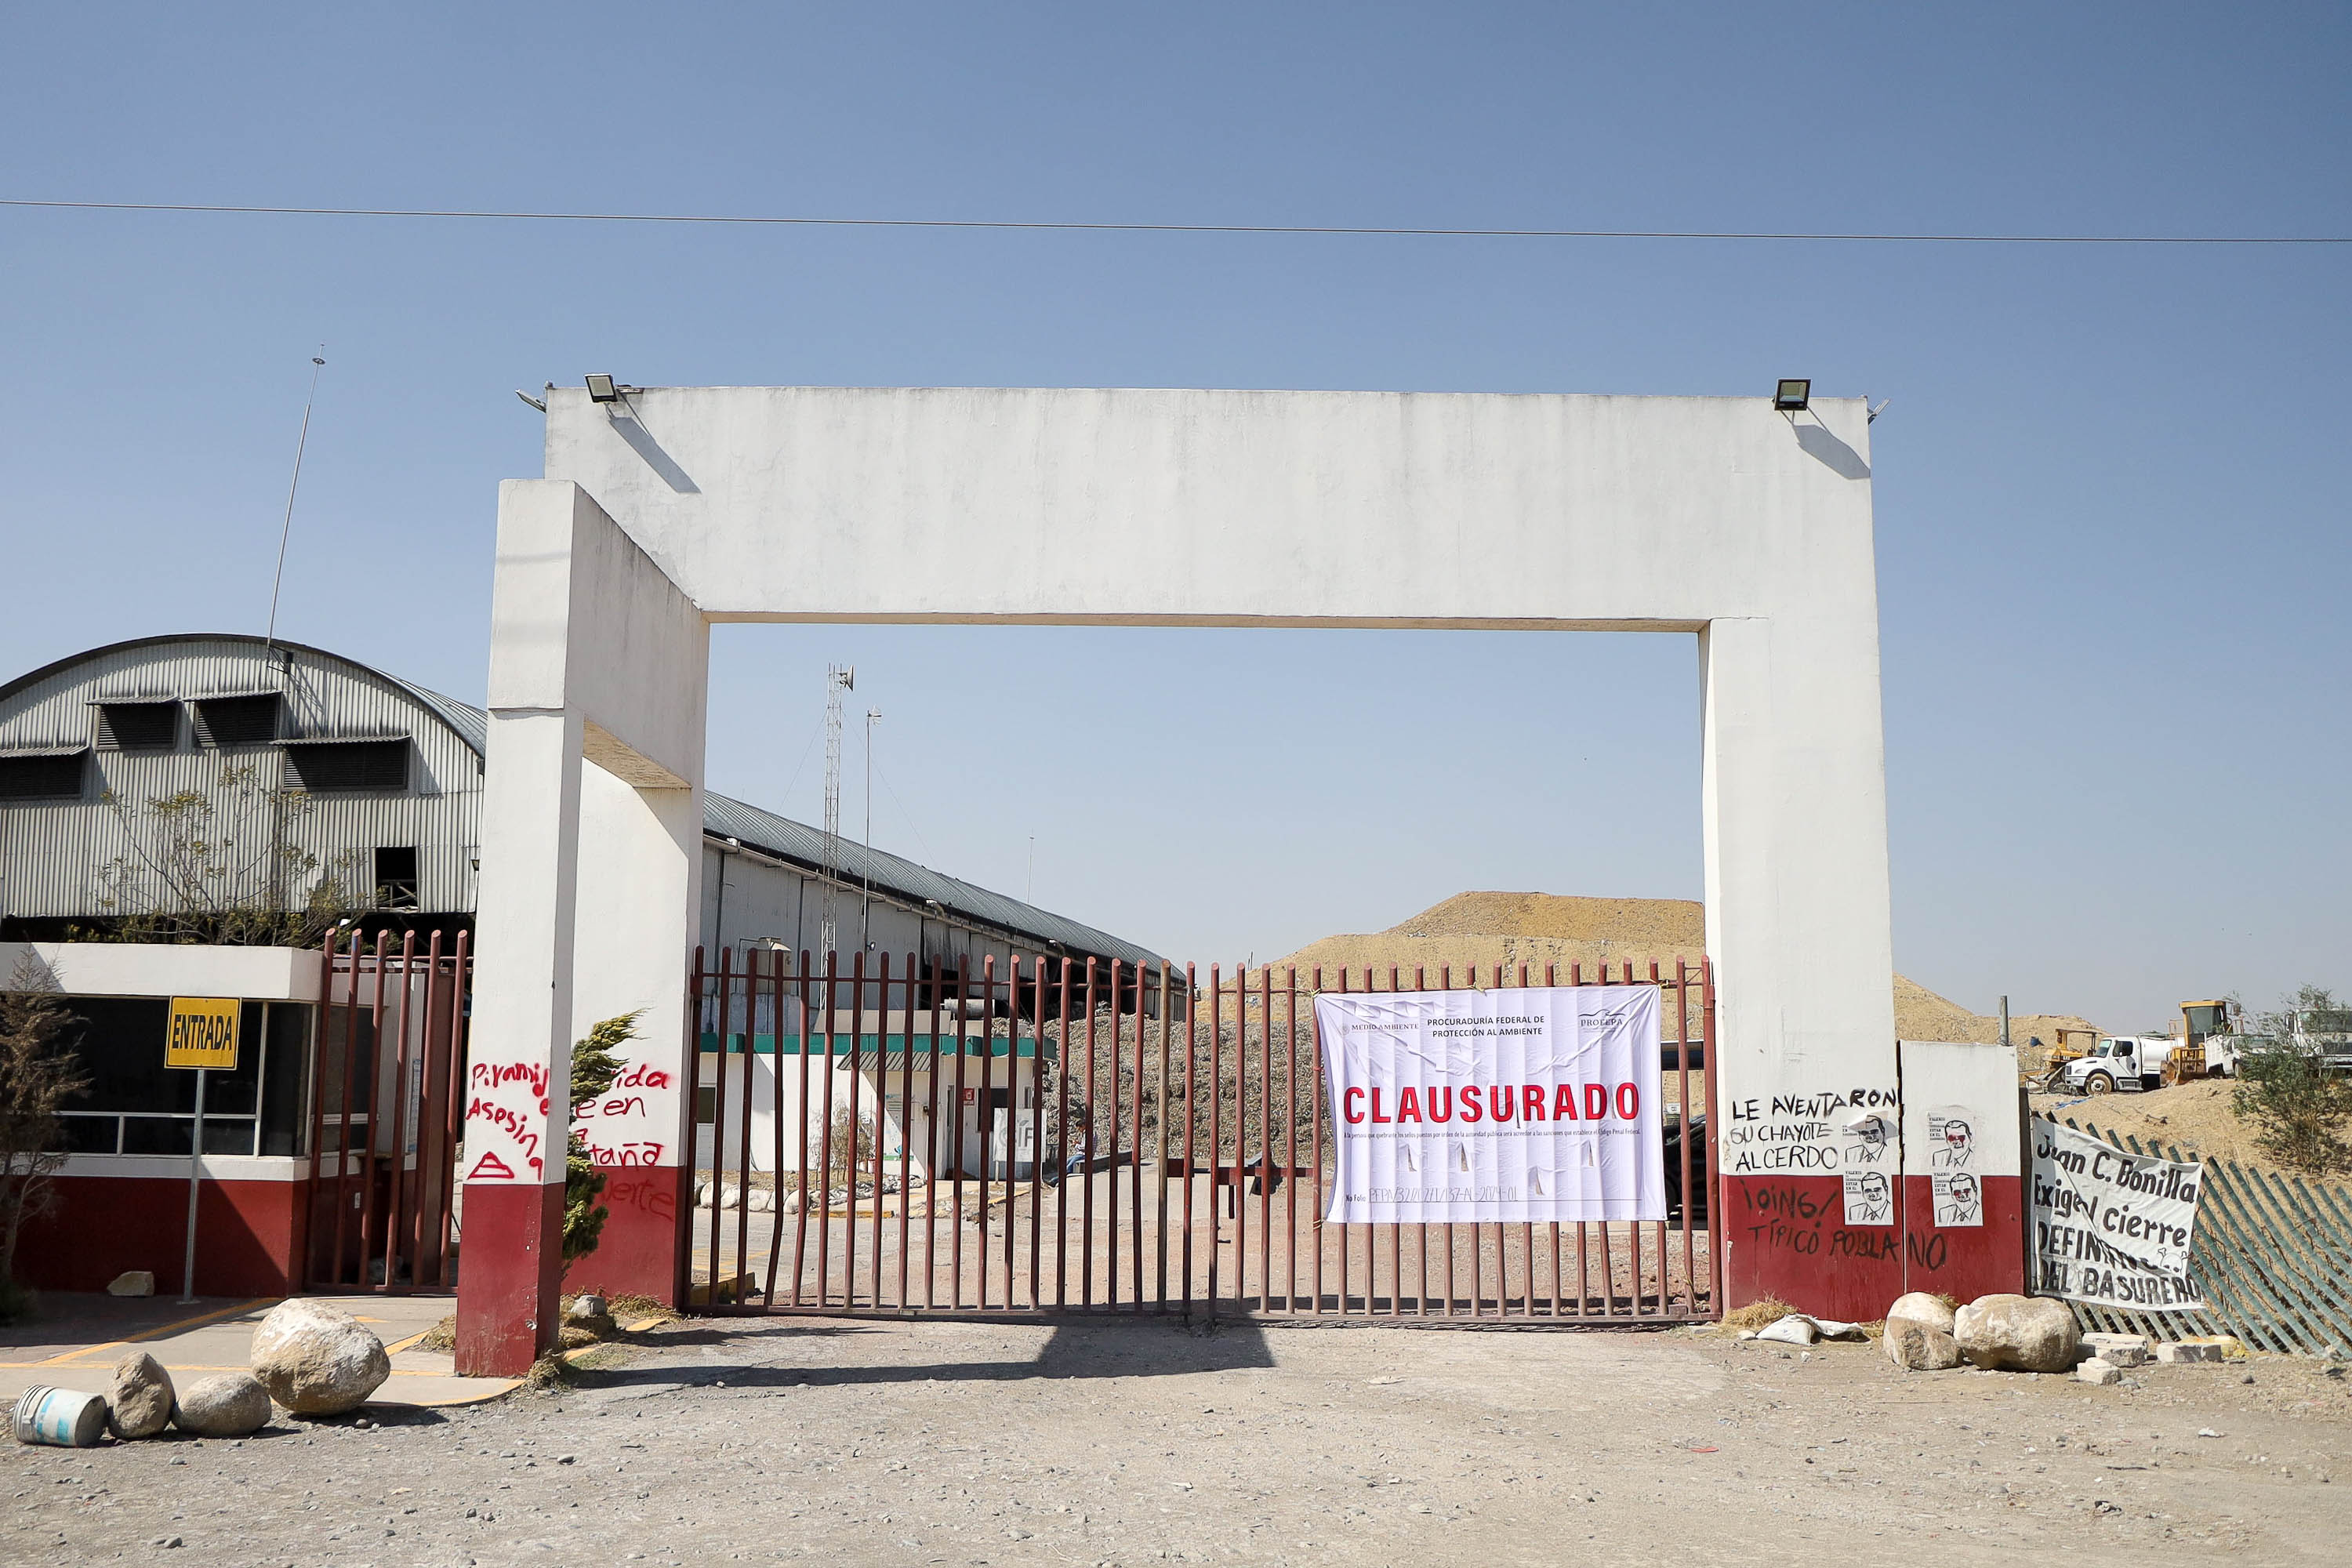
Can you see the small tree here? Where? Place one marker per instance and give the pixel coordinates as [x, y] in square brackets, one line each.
[595, 1066]
[37, 1076]
[222, 866]
[2302, 1114]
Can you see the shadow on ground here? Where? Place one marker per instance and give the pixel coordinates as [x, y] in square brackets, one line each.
[767, 1355]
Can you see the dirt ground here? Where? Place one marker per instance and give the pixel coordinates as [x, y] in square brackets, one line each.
[1092, 1443]
[2195, 1118]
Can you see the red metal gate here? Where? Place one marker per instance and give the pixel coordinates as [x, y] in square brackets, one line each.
[1066, 1138]
[386, 1114]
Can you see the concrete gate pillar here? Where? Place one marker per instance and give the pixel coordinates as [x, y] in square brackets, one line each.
[598, 671]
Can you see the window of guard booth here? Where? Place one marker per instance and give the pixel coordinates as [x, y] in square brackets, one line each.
[286, 1080]
[133, 1104]
[339, 1111]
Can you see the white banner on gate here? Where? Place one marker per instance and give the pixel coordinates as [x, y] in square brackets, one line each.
[1461, 1106]
[2111, 1228]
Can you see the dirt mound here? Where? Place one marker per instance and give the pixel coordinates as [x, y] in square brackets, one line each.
[1658, 925]
[1476, 932]
[2193, 1117]
[1921, 1014]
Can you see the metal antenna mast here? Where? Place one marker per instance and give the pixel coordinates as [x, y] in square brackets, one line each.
[838, 678]
[302, 441]
[865, 895]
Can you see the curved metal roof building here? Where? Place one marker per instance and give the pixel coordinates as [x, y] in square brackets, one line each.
[309, 764]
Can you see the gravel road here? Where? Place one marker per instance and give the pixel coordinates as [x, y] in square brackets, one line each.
[967, 1444]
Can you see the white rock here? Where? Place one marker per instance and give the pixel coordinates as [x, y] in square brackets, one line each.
[230, 1405]
[2117, 1350]
[2098, 1373]
[2187, 1351]
[1916, 1346]
[588, 1307]
[1922, 1308]
[133, 1282]
[2017, 1333]
[316, 1360]
[140, 1403]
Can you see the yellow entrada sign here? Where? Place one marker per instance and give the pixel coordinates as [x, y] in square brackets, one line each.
[203, 1033]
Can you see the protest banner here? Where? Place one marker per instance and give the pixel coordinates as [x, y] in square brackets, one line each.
[2111, 1228]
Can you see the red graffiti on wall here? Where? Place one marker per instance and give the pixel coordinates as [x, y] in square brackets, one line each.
[508, 1122]
[640, 1076]
[638, 1153]
[490, 1168]
[652, 1195]
[491, 1075]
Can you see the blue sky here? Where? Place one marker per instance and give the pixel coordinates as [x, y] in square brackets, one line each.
[2111, 487]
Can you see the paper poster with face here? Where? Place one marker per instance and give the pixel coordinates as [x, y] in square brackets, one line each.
[1956, 1182]
[1954, 1179]
[1867, 1158]
[1959, 1198]
[1952, 1137]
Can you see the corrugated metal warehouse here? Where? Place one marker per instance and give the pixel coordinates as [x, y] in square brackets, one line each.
[310, 766]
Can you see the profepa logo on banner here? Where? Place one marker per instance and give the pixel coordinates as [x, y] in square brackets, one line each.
[2111, 1228]
[1459, 1106]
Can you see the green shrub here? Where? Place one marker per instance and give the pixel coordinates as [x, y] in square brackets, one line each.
[595, 1066]
[2301, 1113]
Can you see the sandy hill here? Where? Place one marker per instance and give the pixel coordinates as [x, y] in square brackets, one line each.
[1484, 928]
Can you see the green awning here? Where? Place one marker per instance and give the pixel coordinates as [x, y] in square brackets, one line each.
[868, 1047]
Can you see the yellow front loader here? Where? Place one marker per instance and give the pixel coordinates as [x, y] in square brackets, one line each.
[2200, 1021]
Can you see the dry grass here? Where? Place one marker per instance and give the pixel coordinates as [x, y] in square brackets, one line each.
[1760, 1314]
[626, 1311]
[549, 1372]
[629, 1311]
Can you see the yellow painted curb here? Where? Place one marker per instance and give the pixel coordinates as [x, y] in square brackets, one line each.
[200, 1318]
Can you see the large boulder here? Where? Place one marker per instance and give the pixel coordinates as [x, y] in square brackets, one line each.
[316, 1360]
[230, 1405]
[1922, 1308]
[2017, 1333]
[140, 1403]
[1916, 1346]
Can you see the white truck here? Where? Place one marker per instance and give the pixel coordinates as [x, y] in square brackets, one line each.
[2125, 1063]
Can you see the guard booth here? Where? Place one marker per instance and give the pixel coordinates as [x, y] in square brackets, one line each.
[326, 1108]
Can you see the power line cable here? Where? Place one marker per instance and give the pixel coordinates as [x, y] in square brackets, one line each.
[1339, 230]
[911, 825]
[800, 767]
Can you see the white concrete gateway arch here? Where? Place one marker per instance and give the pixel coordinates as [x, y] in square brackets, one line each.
[673, 508]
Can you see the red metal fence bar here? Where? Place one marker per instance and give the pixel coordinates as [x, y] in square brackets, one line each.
[382, 1219]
